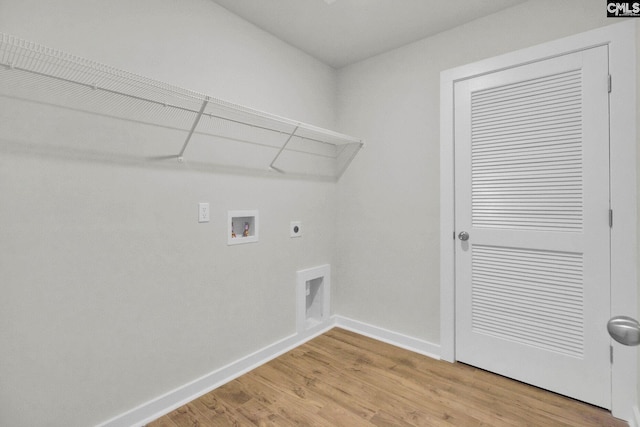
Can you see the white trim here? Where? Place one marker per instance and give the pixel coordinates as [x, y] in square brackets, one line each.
[182, 395]
[623, 169]
[635, 422]
[622, 61]
[390, 337]
[447, 223]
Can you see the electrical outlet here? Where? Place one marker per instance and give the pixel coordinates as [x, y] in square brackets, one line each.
[203, 212]
[295, 229]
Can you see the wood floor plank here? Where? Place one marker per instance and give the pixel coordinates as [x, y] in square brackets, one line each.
[375, 396]
[505, 401]
[344, 379]
[297, 410]
[186, 416]
[321, 384]
[442, 407]
[261, 415]
[216, 412]
[162, 422]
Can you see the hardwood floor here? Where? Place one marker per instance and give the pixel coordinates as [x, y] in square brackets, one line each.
[344, 379]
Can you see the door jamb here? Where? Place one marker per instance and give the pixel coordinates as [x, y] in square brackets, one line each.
[621, 40]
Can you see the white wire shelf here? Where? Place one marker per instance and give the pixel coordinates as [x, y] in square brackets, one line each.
[38, 73]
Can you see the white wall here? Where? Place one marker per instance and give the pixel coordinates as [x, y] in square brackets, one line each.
[387, 271]
[112, 293]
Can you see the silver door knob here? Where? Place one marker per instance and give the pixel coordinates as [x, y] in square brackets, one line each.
[464, 236]
[625, 330]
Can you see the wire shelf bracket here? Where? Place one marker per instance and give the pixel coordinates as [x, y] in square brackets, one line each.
[271, 167]
[251, 137]
[193, 128]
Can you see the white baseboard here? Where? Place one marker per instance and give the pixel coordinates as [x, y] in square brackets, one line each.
[390, 337]
[166, 403]
[635, 422]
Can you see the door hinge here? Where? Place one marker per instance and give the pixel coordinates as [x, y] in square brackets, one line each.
[609, 82]
[610, 218]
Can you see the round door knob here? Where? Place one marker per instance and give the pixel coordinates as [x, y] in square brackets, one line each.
[625, 330]
[464, 236]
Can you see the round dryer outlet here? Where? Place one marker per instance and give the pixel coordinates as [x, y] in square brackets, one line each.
[295, 229]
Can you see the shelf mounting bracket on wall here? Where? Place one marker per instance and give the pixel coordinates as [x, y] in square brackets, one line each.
[271, 167]
[193, 128]
[244, 138]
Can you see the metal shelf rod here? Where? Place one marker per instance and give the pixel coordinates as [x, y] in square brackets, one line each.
[193, 128]
[282, 149]
[95, 87]
[138, 98]
[159, 103]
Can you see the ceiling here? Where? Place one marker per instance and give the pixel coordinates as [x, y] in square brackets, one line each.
[341, 32]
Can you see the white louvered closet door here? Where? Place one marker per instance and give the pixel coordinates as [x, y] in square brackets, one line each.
[532, 191]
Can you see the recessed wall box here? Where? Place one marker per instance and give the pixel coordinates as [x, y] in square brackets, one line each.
[313, 297]
[243, 227]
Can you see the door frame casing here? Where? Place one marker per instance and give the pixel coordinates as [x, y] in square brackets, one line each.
[620, 39]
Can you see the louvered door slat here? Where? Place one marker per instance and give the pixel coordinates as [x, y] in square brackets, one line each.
[528, 292]
[560, 85]
[547, 109]
[527, 141]
[534, 106]
[549, 163]
[528, 85]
